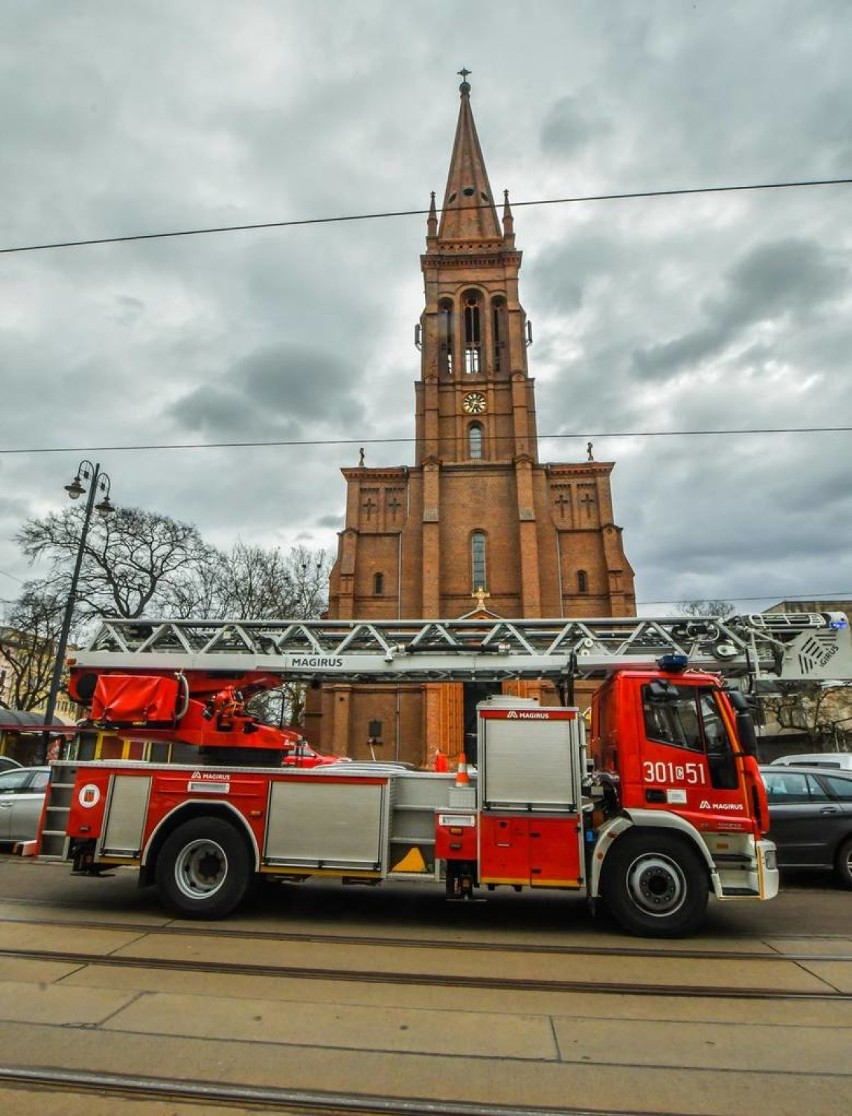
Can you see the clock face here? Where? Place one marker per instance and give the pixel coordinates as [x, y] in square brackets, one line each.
[474, 403]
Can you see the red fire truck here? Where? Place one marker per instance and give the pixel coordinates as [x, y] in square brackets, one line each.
[662, 807]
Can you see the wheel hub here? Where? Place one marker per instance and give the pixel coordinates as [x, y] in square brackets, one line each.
[656, 884]
[201, 868]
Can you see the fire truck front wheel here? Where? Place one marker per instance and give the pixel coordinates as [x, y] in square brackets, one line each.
[655, 885]
[203, 870]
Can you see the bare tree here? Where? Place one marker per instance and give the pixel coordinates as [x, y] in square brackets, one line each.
[254, 583]
[716, 609]
[309, 571]
[819, 711]
[28, 640]
[263, 584]
[133, 562]
[140, 563]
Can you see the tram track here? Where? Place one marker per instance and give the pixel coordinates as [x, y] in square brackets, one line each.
[286, 1102]
[490, 945]
[598, 986]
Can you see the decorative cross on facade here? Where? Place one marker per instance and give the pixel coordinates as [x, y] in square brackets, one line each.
[480, 596]
[394, 505]
[369, 507]
[588, 502]
[562, 501]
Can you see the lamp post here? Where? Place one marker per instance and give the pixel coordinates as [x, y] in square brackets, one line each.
[97, 481]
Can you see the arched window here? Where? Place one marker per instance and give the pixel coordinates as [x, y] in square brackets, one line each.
[472, 334]
[474, 440]
[499, 326]
[445, 337]
[478, 570]
[378, 584]
[582, 581]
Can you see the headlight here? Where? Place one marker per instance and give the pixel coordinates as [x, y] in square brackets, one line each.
[770, 859]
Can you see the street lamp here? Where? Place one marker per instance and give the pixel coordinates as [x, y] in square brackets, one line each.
[98, 482]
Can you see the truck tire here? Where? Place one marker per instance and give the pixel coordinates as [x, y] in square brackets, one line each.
[204, 869]
[655, 885]
[843, 863]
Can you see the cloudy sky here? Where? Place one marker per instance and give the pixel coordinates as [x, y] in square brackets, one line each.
[725, 311]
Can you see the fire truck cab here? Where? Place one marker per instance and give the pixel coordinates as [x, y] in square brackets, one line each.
[674, 756]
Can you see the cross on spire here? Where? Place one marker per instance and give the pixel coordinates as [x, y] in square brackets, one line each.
[463, 73]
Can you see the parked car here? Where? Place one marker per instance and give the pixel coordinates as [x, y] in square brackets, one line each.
[7, 763]
[22, 793]
[842, 761]
[301, 754]
[810, 817]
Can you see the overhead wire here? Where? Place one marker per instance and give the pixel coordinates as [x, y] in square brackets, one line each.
[143, 447]
[386, 214]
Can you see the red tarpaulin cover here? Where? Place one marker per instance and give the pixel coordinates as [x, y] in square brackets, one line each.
[126, 699]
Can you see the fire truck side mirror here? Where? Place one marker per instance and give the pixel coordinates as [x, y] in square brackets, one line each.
[660, 692]
[745, 722]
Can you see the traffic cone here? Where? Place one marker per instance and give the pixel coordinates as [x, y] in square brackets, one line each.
[441, 762]
[462, 777]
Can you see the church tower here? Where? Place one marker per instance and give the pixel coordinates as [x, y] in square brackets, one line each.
[478, 524]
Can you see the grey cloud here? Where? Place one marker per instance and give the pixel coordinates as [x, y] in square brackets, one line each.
[790, 278]
[659, 361]
[275, 390]
[562, 273]
[571, 123]
[225, 413]
[305, 383]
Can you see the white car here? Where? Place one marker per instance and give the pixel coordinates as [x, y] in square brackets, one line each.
[840, 761]
[22, 793]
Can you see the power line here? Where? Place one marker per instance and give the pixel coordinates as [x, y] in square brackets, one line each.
[632, 195]
[272, 444]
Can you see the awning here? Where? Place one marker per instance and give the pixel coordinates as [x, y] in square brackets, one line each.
[23, 720]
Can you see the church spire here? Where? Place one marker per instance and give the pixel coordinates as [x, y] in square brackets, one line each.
[468, 211]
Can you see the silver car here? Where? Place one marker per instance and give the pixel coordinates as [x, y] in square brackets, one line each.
[840, 761]
[22, 793]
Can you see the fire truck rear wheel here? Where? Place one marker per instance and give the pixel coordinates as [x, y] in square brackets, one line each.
[655, 885]
[203, 870]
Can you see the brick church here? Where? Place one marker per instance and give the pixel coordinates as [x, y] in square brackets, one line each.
[477, 525]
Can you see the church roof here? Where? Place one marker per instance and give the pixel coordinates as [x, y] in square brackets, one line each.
[468, 211]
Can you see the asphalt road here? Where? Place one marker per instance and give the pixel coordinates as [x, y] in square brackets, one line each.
[808, 904]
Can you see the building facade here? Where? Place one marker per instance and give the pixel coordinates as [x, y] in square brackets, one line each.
[478, 523]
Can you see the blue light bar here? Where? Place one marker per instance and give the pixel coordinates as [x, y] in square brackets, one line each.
[673, 664]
